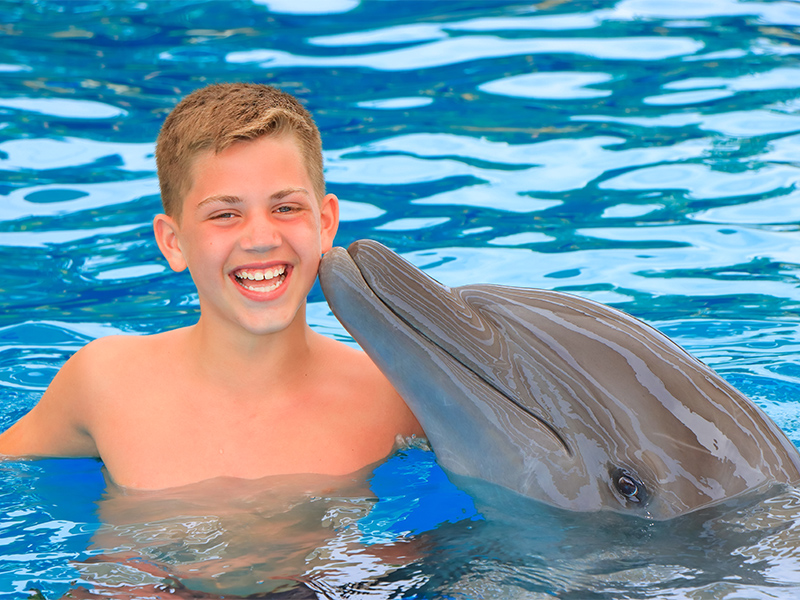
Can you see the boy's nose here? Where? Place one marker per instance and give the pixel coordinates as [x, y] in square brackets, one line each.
[259, 235]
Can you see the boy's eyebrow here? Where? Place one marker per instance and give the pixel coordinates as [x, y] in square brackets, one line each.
[226, 199]
[290, 191]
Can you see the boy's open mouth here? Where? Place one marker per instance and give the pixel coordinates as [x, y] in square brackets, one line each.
[261, 280]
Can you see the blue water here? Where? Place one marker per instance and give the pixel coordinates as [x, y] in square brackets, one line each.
[641, 153]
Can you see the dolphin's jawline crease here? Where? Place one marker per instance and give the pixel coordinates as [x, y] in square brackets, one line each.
[489, 384]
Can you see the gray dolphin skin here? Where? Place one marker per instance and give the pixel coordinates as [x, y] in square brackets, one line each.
[553, 396]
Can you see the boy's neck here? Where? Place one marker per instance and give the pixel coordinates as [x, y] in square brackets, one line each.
[225, 355]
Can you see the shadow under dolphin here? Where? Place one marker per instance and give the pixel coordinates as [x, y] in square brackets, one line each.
[553, 396]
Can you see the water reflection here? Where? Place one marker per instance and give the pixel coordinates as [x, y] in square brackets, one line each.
[227, 536]
[637, 152]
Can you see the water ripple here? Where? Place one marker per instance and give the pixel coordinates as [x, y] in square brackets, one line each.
[637, 152]
[452, 51]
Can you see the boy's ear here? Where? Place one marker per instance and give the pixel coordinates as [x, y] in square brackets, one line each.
[166, 231]
[329, 221]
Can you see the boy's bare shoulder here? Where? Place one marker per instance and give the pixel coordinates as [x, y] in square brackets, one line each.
[358, 382]
[110, 360]
[62, 422]
[354, 368]
[120, 345]
[107, 372]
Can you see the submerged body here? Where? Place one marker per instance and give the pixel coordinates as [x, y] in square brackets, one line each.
[553, 396]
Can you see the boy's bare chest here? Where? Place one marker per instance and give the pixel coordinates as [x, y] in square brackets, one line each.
[163, 436]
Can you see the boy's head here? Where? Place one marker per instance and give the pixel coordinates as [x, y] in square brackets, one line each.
[214, 117]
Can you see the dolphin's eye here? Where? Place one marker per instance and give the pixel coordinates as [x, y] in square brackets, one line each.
[628, 486]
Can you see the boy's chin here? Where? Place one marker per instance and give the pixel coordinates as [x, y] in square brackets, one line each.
[273, 324]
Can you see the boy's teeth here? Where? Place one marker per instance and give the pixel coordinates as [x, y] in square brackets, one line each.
[263, 288]
[268, 279]
[260, 274]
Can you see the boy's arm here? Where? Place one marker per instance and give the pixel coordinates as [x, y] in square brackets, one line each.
[56, 426]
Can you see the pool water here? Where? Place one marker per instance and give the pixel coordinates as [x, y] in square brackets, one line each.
[637, 152]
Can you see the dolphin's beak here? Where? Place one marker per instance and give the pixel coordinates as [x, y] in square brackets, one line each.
[442, 316]
[422, 302]
[403, 319]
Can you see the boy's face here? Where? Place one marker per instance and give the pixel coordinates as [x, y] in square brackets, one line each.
[251, 233]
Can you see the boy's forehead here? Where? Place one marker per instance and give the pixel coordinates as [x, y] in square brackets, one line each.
[206, 157]
[209, 155]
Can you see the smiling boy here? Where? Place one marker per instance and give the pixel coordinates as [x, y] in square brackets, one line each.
[249, 390]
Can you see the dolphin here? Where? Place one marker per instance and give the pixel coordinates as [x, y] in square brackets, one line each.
[553, 396]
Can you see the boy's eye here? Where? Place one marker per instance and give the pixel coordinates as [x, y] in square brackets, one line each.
[285, 209]
[223, 216]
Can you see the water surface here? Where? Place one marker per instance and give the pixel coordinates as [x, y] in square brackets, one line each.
[636, 152]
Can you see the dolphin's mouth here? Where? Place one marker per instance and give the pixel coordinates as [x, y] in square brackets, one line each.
[372, 259]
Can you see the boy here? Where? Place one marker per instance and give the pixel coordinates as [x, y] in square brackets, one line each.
[249, 390]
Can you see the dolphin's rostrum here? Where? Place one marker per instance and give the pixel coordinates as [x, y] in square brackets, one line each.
[556, 397]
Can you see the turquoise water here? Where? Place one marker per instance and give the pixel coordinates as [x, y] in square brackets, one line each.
[640, 153]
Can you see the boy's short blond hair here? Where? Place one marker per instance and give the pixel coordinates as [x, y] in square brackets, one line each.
[214, 117]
